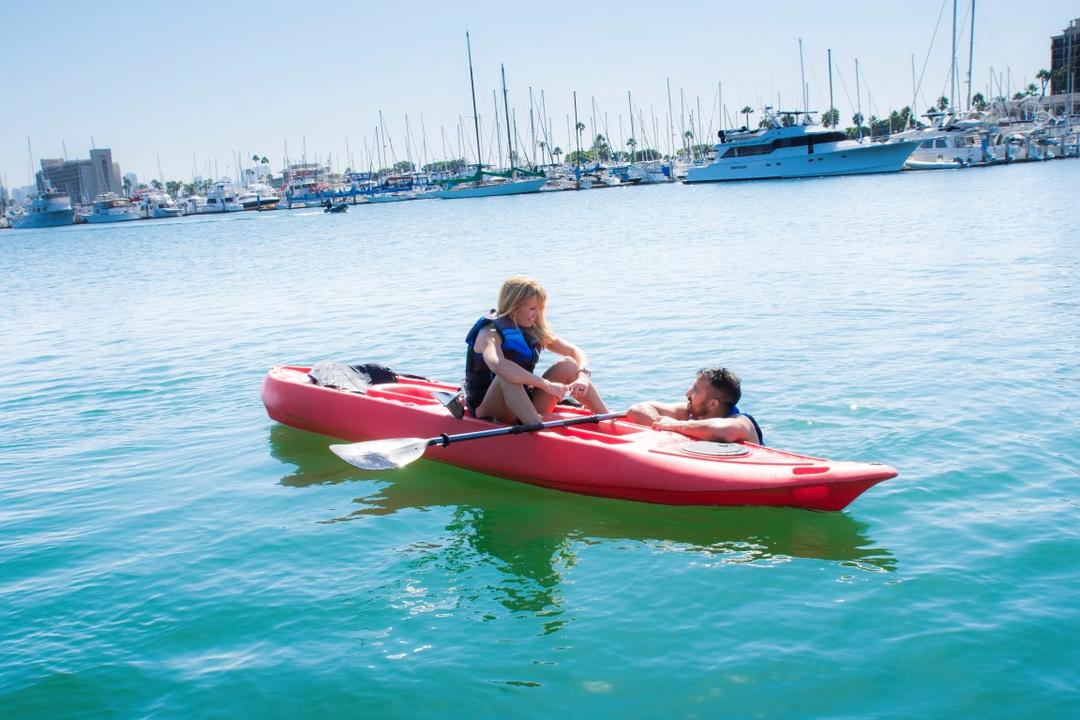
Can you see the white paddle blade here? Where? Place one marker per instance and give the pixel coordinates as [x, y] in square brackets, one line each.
[381, 454]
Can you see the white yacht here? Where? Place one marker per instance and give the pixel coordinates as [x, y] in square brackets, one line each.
[49, 209]
[952, 141]
[221, 198]
[110, 207]
[160, 205]
[258, 196]
[786, 148]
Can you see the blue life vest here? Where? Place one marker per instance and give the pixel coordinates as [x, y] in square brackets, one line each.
[516, 347]
[735, 412]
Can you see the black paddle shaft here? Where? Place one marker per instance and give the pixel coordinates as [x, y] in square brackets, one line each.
[445, 439]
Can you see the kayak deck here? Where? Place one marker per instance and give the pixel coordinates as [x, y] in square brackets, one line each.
[610, 458]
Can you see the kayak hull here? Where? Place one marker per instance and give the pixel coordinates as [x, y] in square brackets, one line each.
[613, 458]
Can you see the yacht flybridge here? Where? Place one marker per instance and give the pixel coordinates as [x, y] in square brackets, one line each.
[789, 148]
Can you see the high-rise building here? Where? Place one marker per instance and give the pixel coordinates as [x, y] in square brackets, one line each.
[1065, 60]
[81, 180]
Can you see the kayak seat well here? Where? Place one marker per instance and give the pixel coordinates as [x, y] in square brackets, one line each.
[413, 394]
[595, 433]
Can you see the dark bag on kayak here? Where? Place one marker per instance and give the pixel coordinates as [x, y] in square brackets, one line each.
[354, 378]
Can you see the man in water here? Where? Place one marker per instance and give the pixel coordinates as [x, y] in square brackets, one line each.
[710, 412]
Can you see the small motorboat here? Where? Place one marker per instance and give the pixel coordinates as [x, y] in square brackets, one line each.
[338, 207]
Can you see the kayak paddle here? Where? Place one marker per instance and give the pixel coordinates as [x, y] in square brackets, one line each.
[399, 452]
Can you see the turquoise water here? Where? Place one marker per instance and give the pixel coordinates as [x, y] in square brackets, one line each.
[167, 551]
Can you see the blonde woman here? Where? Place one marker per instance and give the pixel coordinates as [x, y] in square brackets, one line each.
[503, 349]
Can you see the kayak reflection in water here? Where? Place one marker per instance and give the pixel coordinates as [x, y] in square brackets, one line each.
[503, 349]
[711, 411]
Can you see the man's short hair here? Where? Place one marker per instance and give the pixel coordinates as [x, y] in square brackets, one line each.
[726, 383]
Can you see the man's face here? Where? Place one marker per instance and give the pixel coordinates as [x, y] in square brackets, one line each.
[700, 399]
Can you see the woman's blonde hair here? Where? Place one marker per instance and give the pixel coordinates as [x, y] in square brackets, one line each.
[517, 291]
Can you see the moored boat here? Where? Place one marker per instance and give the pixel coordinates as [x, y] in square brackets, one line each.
[110, 207]
[611, 458]
[48, 209]
[789, 149]
[258, 196]
[221, 199]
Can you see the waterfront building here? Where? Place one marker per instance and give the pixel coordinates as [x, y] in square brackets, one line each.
[81, 180]
[1065, 60]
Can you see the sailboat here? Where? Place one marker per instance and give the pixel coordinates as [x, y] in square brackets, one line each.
[487, 183]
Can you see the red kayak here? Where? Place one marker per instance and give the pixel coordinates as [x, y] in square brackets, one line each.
[610, 458]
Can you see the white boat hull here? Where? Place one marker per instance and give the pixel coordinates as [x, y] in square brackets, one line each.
[797, 162]
[111, 217]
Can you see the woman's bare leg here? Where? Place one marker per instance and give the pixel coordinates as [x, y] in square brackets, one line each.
[508, 403]
[565, 371]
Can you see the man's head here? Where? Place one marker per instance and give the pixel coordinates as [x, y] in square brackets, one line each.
[714, 393]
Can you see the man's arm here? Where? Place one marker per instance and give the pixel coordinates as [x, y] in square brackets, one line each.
[736, 429]
[648, 413]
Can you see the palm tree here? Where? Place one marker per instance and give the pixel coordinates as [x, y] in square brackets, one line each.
[1044, 77]
[746, 111]
[978, 102]
[942, 103]
[556, 153]
[543, 146]
[631, 143]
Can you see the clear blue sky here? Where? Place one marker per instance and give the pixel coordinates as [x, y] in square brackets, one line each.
[204, 80]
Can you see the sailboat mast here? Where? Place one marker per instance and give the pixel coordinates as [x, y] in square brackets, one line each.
[802, 79]
[506, 112]
[915, 93]
[858, 100]
[971, 52]
[472, 86]
[577, 131]
[953, 81]
[498, 137]
[832, 120]
[671, 120]
[532, 132]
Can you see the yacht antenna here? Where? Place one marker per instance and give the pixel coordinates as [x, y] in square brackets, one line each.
[472, 86]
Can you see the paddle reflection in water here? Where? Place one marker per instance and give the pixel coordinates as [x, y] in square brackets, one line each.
[532, 531]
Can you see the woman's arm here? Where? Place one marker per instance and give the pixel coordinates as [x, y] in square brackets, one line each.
[580, 385]
[487, 343]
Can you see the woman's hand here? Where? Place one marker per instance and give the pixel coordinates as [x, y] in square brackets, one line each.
[579, 387]
[554, 388]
